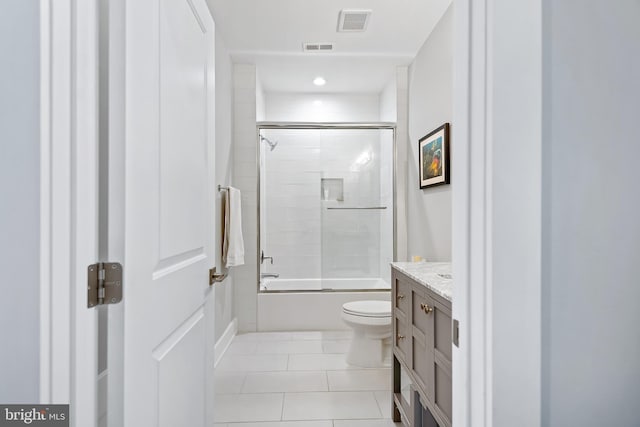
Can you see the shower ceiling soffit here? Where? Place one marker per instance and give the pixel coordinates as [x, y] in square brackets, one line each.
[271, 34]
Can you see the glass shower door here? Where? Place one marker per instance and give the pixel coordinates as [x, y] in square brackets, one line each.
[357, 207]
[326, 208]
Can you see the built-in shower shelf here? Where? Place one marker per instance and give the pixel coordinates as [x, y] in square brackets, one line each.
[332, 189]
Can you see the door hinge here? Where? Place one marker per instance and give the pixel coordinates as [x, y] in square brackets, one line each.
[104, 283]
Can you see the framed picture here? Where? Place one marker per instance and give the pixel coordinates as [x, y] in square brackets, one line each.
[433, 155]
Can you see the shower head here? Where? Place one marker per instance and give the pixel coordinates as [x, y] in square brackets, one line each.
[272, 145]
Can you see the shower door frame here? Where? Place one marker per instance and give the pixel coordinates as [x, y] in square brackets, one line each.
[330, 126]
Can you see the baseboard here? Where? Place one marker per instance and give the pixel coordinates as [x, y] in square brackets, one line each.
[225, 340]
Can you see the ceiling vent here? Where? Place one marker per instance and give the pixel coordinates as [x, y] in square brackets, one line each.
[317, 47]
[351, 20]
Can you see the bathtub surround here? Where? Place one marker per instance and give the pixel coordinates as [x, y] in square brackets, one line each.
[311, 310]
[430, 105]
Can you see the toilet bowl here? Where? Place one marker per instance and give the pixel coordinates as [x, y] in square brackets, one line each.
[371, 324]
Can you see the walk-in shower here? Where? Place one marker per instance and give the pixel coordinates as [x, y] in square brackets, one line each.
[326, 218]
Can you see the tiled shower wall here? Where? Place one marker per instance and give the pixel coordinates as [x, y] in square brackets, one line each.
[305, 238]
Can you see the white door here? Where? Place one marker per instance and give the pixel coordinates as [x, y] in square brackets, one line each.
[164, 167]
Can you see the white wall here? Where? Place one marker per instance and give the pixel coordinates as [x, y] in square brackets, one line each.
[316, 107]
[591, 200]
[245, 178]
[260, 100]
[20, 208]
[224, 310]
[430, 105]
[388, 101]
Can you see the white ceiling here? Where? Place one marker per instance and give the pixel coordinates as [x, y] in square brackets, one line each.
[270, 33]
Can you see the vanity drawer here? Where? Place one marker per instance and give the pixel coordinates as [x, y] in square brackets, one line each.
[421, 312]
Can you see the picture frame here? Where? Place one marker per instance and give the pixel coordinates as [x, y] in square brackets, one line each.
[434, 158]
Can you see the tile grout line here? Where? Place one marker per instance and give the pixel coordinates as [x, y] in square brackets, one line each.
[284, 395]
[244, 381]
[288, 366]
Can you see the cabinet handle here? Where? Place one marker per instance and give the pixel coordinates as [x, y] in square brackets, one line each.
[399, 296]
[426, 308]
[400, 337]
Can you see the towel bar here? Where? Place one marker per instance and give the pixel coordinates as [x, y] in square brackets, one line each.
[216, 277]
[348, 208]
[221, 188]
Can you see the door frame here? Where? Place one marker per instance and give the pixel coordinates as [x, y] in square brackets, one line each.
[68, 205]
[497, 222]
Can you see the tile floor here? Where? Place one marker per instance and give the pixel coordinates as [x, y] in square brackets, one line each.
[298, 379]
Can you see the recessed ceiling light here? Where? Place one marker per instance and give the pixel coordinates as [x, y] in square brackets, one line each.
[319, 81]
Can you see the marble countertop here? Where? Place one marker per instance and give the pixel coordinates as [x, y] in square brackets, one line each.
[434, 275]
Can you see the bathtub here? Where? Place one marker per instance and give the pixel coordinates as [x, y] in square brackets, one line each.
[320, 285]
[313, 304]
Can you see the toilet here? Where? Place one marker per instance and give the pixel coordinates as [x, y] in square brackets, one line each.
[371, 324]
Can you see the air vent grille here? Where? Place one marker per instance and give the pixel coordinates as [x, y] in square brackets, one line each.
[317, 47]
[351, 20]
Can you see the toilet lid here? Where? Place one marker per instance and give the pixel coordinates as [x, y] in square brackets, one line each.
[368, 308]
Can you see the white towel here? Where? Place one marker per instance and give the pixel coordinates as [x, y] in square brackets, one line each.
[233, 243]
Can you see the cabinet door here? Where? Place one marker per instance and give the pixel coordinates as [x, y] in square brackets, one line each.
[401, 333]
[441, 316]
[402, 294]
[402, 340]
[422, 340]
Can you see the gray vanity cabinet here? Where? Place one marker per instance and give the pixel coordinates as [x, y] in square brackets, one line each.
[422, 345]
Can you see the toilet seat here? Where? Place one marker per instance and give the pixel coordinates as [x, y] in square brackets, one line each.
[375, 309]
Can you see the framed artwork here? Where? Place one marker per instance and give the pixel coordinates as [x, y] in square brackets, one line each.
[433, 155]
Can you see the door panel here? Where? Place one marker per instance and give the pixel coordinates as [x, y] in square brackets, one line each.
[176, 373]
[183, 131]
[168, 246]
